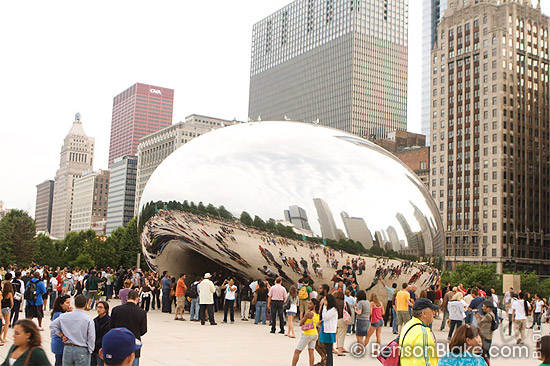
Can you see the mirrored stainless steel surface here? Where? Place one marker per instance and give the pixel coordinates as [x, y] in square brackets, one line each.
[289, 179]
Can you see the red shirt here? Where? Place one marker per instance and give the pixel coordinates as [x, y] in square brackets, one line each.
[59, 283]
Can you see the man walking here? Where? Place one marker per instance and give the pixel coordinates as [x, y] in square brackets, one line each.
[402, 303]
[180, 297]
[206, 299]
[79, 331]
[34, 293]
[166, 283]
[276, 297]
[448, 296]
[132, 317]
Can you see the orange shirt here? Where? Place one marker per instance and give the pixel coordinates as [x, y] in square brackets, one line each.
[180, 288]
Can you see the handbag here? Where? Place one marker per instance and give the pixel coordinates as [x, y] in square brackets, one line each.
[347, 317]
[308, 326]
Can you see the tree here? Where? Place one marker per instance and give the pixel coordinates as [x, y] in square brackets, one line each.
[246, 219]
[211, 210]
[470, 275]
[129, 246]
[258, 222]
[17, 243]
[224, 213]
[46, 251]
[83, 260]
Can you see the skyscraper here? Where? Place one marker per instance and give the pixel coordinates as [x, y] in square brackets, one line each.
[44, 203]
[122, 192]
[326, 220]
[138, 111]
[340, 62]
[490, 134]
[297, 216]
[90, 201]
[77, 155]
[357, 230]
[432, 11]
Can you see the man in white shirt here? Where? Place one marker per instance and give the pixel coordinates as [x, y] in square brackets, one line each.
[206, 299]
[520, 310]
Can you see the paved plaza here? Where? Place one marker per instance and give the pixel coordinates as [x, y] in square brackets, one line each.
[170, 342]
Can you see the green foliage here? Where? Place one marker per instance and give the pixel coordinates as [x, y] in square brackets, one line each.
[83, 260]
[471, 275]
[246, 219]
[46, 251]
[17, 243]
[259, 223]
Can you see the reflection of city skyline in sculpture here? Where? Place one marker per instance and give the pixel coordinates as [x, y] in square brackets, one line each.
[297, 216]
[326, 220]
[253, 168]
[394, 238]
[357, 230]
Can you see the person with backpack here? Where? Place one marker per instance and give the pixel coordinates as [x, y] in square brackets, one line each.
[18, 296]
[304, 295]
[34, 295]
[193, 294]
[487, 325]
[416, 341]
[291, 308]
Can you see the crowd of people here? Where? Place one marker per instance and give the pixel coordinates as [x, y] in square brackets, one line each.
[324, 313]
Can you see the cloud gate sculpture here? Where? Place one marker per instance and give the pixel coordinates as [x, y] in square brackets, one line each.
[261, 199]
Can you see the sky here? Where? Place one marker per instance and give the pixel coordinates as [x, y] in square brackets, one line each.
[63, 57]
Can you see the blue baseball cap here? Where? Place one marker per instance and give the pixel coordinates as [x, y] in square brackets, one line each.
[118, 344]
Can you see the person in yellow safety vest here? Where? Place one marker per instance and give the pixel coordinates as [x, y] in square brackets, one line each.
[416, 341]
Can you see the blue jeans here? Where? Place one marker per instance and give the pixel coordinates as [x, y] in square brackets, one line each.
[53, 295]
[261, 307]
[469, 317]
[194, 309]
[76, 356]
[136, 362]
[394, 321]
[108, 291]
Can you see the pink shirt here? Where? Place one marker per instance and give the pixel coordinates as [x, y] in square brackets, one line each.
[376, 314]
[277, 292]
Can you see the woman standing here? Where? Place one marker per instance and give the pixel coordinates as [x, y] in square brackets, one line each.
[145, 295]
[62, 304]
[7, 306]
[457, 312]
[362, 314]
[293, 300]
[123, 294]
[309, 333]
[101, 328]
[230, 290]
[261, 303]
[26, 350]
[465, 348]
[341, 326]
[329, 325]
[376, 320]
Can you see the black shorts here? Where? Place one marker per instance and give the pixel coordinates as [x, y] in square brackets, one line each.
[34, 311]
